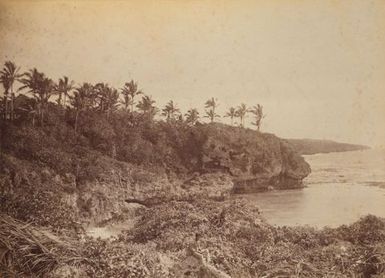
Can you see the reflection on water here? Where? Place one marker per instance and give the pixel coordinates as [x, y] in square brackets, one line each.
[337, 192]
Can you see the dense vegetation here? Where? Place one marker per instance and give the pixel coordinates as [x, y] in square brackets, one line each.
[101, 98]
[74, 162]
[92, 120]
[199, 239]
[68, 121]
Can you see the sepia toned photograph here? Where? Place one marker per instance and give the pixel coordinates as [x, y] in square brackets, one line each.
[192, 138]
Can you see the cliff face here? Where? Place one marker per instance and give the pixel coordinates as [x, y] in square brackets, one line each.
[42, 177]
[257, 161]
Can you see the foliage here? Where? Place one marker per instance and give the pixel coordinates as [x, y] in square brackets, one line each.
[129, 92]
[91, 148]
[237, 241]
[63, 88]
[241, 113]
[211, 105]
[232, 113]
[99, 97]
[33, 196]
[170, 111]
[230, 236]
[119, 259]
[8, 75]
[257, 112]
[41, 88]
[31, 252]
[192, 116]
[147, 107]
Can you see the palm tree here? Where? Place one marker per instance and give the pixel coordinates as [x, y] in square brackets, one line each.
[257, 111]
[8, 76]
[192, 116]
[83, 99]
[127, 100]
[111, 100]
[146, 105]
[2, 106]
[6, 86]
[232, 113]
[211, 104]
[100, 95]
[211, 115]
[241, 113]
[41, 88]
[32, 82]
[64, 88]
[129, 91]
[170, 111]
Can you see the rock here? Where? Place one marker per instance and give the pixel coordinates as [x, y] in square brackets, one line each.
[212, 185]
[255, 160]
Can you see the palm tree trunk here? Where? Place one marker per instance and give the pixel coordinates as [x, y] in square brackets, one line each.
[125, 103]
[42, 116]
[39, 112]
[59, 99]
[65, 100]
[5, 106]
[12, 104]
[76, 120]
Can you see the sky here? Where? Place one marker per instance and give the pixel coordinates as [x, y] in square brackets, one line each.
[317, 66]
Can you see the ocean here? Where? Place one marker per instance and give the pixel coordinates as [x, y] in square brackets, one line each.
[341, 188]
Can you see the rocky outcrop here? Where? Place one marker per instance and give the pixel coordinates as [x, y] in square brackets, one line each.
[313, 146]
[58, 186]
[256, 161]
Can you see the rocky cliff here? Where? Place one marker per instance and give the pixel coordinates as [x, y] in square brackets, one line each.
[256, 161]
[52, 181]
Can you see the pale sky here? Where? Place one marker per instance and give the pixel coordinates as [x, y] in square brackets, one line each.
[317, 66]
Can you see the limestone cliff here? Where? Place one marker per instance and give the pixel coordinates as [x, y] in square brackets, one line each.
[42, 179]
[256, 160]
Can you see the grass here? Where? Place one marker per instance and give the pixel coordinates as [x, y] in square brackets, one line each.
[30, 251]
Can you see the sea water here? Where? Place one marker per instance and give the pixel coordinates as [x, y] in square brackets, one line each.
[341, 188]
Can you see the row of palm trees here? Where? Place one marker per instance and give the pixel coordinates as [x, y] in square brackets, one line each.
[236, 112]
[102, 97]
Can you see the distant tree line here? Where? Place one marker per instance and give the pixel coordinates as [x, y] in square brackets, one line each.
[100, 97]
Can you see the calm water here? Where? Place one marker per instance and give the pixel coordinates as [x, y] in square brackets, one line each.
[341, 188]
